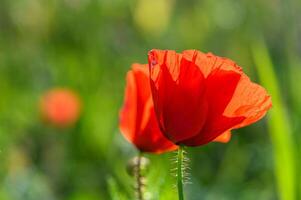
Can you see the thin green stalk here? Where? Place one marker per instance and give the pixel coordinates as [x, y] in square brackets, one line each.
[139, 181]
[180, 173]
[278, 123]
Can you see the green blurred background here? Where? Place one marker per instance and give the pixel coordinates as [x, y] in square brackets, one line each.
[88, 45]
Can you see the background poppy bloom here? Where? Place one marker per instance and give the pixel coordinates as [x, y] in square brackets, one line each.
[138, 122]
[198, 96]
[60, 107]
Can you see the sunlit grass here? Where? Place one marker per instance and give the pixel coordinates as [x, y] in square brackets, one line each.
[278, 122]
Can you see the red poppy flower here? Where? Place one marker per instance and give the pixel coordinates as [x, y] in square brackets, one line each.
[138, 122]
[60, 107]
[197, 97]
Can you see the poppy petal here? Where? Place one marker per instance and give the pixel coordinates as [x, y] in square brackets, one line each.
[223, 138]
[208, 62]
[220, 86]
[152, 140]
[179, 94]
[137, 117]
[128, 113]
[249, 100]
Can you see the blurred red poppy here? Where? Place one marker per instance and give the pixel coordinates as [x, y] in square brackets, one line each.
[138, 122]
[198, 97]
[60, 107]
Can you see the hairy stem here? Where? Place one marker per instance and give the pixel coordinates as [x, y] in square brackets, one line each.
[180, 173]
[139, 181]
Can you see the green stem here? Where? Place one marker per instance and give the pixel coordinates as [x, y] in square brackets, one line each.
[139, 178]
[180, 173]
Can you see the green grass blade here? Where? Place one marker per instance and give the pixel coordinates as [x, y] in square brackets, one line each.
[278, 123]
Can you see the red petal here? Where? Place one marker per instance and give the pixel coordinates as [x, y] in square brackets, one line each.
[209, 62]
[128, 113]
[179, 94]
[137, 119]
[249, 100]
[151, 138]
[223, 138]
[220, 87]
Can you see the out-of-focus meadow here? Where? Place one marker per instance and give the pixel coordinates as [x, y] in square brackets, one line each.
[88, 45]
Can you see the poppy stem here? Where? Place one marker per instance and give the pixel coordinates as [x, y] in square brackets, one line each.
[139, 178]
[180, 172]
